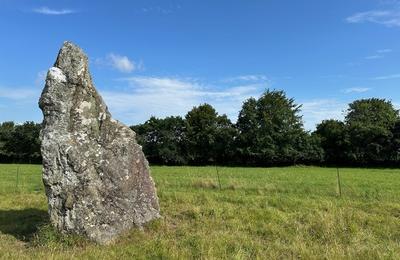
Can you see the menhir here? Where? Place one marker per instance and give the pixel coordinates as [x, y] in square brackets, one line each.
[96, 176]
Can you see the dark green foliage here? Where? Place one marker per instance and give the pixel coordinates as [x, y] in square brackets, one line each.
[203, 137]
[20, 143]
[6, 131]
[201, 125]
[370, 123]
[247, 125]
[163, 140]
[396, 142]
[224, 148]
[372, 112]
[280, 128]
[310, 149]
[209, 136]
[271, 132]
[369, 135]
[334, 140]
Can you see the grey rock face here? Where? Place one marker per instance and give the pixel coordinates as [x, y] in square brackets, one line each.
[96, 176]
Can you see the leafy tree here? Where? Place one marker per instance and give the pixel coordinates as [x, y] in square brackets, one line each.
[21, 142]
[248, 125]
[310, 149]
[163, 139]
[224, 149]
[209, 136]
[280, 127]
[334, 140]
[370, 123]
[6, 131]
[372, 112]
[271, 130]
[396, 143]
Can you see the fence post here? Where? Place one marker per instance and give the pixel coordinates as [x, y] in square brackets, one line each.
[219, 181]
[16, 185]
[338, 182]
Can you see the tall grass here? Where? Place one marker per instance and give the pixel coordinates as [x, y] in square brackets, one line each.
[292, 212]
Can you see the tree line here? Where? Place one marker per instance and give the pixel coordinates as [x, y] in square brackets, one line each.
[268, 132]
[20, 143]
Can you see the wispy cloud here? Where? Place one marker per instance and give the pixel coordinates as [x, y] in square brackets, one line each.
[165, 96]
[393, 76]
[40, 78]
[314, 111]
[384, 51]
[374, 57]
[119, 62]
[18, 93]
[246, 78]
[160, 9]
[48, 11]
[379, 54]
[389, 18]
[356, 90]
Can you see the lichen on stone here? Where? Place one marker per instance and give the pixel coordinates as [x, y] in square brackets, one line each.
[96, 177]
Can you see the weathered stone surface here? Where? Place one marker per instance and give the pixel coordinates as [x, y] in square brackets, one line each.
[96, 176]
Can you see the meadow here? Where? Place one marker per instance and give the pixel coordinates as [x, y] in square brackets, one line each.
[246, 213]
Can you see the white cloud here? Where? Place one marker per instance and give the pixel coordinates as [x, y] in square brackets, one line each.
[119, 62]
[40, 78]
[246, 78]
[384, 51]
[356, 90]
[166, 96]
[389, 18]
[379, 54]
[393, 76]
[354, 64]
[160, 10]
[374, 57]
[47, 11]
[314, 111]
[18, 93]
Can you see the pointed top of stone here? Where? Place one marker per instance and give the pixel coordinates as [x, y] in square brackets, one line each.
[73, 62]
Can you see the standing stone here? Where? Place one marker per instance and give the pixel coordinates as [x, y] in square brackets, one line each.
[96, 176]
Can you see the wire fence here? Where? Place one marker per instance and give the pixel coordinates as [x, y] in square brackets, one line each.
[339, 182]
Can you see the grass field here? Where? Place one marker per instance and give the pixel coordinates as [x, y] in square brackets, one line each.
[263, 213]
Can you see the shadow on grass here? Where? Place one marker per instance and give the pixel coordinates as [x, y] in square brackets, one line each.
[23, 223]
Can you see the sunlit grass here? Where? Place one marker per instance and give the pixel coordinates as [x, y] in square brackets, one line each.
[292, 212]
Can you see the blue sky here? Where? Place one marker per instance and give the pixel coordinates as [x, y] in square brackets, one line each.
[164, 57]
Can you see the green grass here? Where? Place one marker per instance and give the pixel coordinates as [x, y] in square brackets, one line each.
[292, 212]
